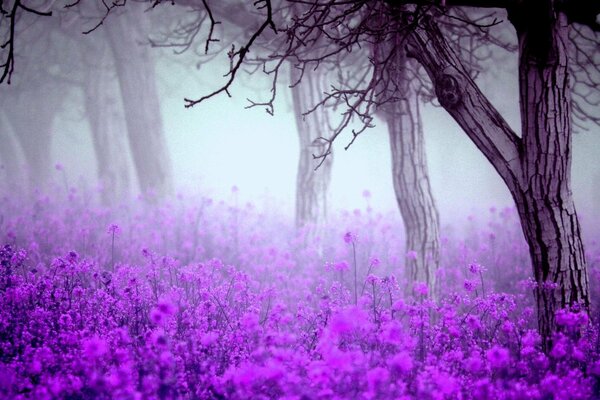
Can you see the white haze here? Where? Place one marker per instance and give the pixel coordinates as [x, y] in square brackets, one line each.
[219, 144]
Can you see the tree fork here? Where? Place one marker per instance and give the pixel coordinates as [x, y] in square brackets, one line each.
[536, 167]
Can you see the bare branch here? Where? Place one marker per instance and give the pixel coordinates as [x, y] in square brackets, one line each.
[240, 54]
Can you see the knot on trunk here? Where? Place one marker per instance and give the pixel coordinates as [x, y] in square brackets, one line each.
[448, 91]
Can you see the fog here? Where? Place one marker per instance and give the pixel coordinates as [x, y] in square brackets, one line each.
[219, 144]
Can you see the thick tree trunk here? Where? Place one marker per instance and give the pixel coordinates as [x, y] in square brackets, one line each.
[312, 187]
[536, 167]
[127, 36]
[412, 187]
[104, 112]
[545, 201]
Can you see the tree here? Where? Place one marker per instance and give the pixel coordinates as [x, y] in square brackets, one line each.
[11, 159]
[410, 173]
[32, 118]
[535, 166]
[312, 187]
[104, 112]
[128, 35]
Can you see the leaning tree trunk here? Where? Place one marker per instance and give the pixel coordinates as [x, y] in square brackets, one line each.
[127, 35]
[545, 200]
[312, 187]
[411, 184]
[107, 126]
[31, 117]
[537, 166]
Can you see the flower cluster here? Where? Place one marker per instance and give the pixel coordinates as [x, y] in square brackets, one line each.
[205, 302]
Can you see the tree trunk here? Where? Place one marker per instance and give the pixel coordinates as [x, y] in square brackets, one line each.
[312, 187]
[411, 184]
[31, 116]
[127, 35]
[545, 201]
[595, 209]
[105, 116]
[11, 161]
[535, 167]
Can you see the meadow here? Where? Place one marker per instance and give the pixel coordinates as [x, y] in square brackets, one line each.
[196, 298]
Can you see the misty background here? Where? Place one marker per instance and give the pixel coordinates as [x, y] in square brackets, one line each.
[219, 144]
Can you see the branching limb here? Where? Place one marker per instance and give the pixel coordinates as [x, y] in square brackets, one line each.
[8, 46]
[237, 56]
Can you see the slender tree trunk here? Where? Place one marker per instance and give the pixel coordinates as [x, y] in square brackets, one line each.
[545, 199]
[31, 116]
[595, 209]
[312, 187]
[410, 172]
[537, 166]
[11, 158]
[413, 190]
[127, 36]
[104, 112]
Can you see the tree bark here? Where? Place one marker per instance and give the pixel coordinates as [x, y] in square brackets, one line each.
[410, 172]
[127, 35]
[411, 184]
[312, 187]
[104, 112]
[545, 201]
[535, 167]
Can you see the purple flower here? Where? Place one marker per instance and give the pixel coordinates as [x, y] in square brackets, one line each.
[420, 288]
[469, 285]
[402, 362]
[376, 377]
[72, 257]
[341, 266]
[498, 357]
[166, 307]
[114, 229]
[349, 237]
[475, 268]
[95, 347]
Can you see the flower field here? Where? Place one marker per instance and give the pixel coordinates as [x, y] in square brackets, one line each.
[201, 299]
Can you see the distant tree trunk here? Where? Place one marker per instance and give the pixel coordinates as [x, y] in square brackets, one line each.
[11, 162]
[107, 126]
[535, 167]
[312, 187]
[595, 209]
[127, 36]
[545, 200]
[411, 184]
[31, 116]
